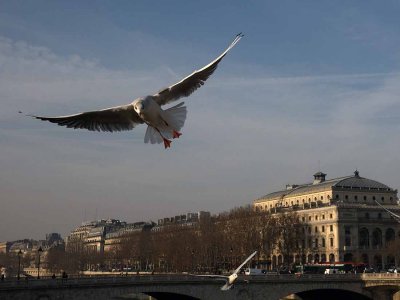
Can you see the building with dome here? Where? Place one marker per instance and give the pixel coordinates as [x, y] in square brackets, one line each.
[342, 221]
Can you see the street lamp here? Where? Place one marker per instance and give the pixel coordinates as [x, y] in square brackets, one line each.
[19, 263]
[193, 260]
[40, 250]
[231, 251]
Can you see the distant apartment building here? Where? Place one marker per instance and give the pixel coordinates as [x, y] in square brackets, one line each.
[5, 247]
[91, 235]
[188, 219]
[107, 235]
[114, 238]
[342, 221]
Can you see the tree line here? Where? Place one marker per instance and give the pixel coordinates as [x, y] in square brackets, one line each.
[214, 244]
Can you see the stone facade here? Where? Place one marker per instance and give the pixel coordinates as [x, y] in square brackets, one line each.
[342, 220]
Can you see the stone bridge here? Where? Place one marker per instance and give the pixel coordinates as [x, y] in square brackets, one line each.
[176, 286]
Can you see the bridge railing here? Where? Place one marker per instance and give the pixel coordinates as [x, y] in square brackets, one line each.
[13, 283]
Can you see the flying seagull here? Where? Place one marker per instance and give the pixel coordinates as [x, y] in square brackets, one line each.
[231, 279]
[162, 125]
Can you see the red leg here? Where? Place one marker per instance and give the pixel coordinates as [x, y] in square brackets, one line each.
[167, 143]
[176, 134]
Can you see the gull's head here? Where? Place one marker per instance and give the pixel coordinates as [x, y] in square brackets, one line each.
[138, 105]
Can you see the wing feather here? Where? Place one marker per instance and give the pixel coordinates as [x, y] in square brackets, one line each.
[189, 84]
[245, 262]
[112, 119]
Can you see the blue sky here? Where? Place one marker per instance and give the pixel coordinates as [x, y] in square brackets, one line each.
[312, 85]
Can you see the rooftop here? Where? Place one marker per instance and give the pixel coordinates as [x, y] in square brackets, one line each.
[320, 184]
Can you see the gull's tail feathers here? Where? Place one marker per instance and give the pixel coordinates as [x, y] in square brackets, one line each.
[152, 136]
[176, 116]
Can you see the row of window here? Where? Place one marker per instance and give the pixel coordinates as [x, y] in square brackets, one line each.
[316, 230]
[316, 217]
[337, 197]
[316, 243]
[365, 198]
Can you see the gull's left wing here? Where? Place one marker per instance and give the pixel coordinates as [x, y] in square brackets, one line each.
[189, 84]
[245, 262]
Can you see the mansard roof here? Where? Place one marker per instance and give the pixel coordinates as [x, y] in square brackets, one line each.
[355, 182]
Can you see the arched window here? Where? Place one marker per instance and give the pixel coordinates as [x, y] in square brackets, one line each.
[390, 261]
[377, 238]
[365, 258]
[331, 258]
[323, 258]
[389, 236]
[316, 258]
[378, 261]
[364, 238]
[309, 258]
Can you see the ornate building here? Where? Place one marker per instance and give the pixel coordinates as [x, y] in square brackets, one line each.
[342, 220]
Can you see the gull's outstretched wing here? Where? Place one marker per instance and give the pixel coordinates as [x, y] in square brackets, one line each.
[245, 262]
[395, 216]
[111, 119]
[189, 84]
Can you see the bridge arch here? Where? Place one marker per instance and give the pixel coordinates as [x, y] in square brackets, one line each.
[168, 296]
[331, 294]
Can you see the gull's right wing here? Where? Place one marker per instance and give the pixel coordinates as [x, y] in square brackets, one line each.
[245, 262]
[117, 118]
